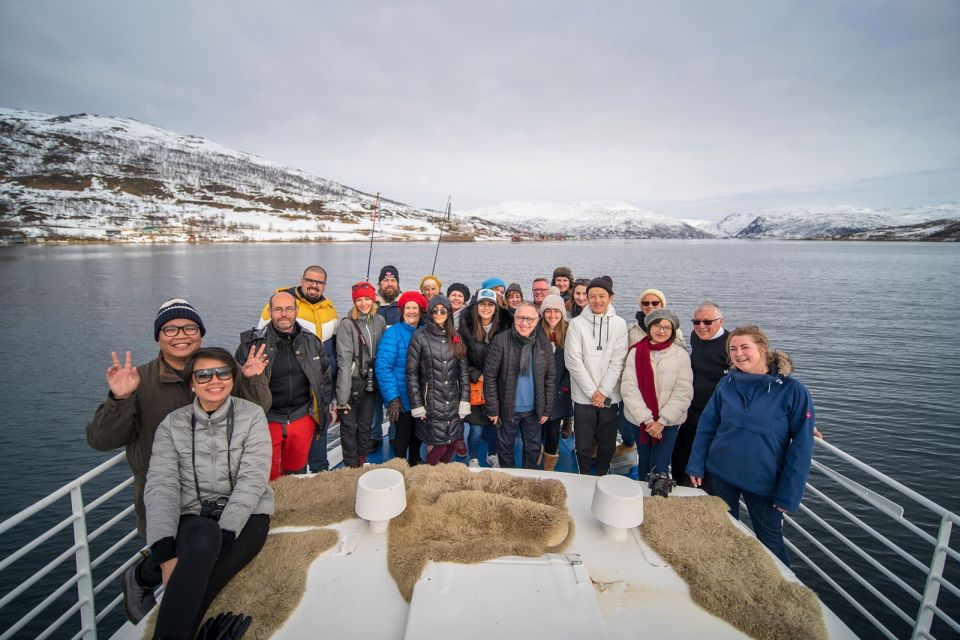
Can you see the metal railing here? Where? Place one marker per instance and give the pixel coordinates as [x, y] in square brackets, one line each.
[82, 580]
[897, 571]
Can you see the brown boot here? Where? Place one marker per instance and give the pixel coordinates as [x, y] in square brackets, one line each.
[550, 461]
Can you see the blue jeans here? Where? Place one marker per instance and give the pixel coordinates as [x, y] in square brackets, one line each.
[767, 521]
[655, 457]
[317, 461]
[528, 424]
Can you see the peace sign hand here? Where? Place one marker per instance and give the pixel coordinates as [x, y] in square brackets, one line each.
[256, 362]
[122, 380]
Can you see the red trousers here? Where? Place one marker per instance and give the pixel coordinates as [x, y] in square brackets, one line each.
[441, 453]
[290, 452]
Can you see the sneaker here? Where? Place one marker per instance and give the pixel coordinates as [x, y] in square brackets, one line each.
[493, 461]
[474, 463]
[567, 429]
[662, 485]
[137, 599]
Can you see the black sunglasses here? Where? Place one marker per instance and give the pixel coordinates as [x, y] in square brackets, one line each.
[439, 311]
[651, 303]
[697, 323]
[203, 376]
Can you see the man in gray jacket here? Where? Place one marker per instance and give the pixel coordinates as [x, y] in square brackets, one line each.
[519, 377]
[299, 374]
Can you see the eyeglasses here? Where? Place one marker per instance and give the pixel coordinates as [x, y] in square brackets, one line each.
[697, 323]
[203, 376]
[439, 311]
[283, 309]
[319, 283]
[525, 319]
[540, 289]
[650, 303]
[171, 330]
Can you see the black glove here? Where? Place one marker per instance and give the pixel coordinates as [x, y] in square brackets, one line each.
[394, 409]
[226, 626]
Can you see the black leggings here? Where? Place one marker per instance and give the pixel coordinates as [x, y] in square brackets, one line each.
[407, 444]
[203, 570]
[355, 427]
[551, 436]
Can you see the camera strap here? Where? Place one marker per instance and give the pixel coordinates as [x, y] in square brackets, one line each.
[193, 449]
[363, 341]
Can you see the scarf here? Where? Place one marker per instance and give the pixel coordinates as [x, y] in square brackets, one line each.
[645, 381]
[526, 349]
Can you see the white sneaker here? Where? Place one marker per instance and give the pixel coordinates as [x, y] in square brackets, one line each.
[493, 461]
[474, 463]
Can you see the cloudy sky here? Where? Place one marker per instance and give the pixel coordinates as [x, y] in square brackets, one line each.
[693, 109]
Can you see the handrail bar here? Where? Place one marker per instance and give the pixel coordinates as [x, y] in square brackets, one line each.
[22, 622]
[106, 526]
[843, 592]
[116, 573]
[62, 492]
[944, 583]
[907, 491]
[953, 624]
[863, 554]
[853, 574]
[56, 624]
[109, 494]
[36, 542]
[113, 548]
[110, 606]
[47, 568]
[873, 532]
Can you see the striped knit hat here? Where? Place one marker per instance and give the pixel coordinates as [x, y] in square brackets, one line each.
[173, 309]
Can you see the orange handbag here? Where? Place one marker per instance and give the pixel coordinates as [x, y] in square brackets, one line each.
[476, 393]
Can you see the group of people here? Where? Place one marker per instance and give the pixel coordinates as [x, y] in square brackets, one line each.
[206, 430]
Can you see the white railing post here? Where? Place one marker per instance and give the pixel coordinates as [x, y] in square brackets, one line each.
[931, 591]
[88, 608]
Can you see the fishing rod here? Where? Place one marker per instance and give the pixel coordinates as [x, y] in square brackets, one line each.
[373, 227]
[437, 252]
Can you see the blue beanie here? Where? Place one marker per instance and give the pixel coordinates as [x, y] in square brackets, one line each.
[173, 309]
[490, 283]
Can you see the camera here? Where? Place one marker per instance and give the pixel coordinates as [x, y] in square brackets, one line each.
[213, 509]
[370, 382]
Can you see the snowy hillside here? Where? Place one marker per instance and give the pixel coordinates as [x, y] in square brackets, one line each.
[597, 219]
[928, 222]
[93, 177]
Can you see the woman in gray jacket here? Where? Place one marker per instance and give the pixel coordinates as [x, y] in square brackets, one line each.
[207, 499]
[358, 335]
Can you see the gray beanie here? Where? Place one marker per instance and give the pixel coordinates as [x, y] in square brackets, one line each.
[660, 314]
[553, 301]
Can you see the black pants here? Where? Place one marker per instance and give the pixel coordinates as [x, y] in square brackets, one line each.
[600, 425]
[355, 426]
[203, 570]
[551, 436]
[683, 447]
[407, 444]
[528, 424]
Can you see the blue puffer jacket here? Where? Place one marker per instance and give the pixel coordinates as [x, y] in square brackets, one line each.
[756, 433]
[391, 365]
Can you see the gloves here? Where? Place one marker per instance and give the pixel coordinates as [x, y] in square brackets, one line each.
[394, 409]
[226, 626]
[464, 409]
[419, 412]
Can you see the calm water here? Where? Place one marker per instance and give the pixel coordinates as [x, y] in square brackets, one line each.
[869, 326]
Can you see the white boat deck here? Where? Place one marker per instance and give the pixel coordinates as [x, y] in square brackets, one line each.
[600, 588]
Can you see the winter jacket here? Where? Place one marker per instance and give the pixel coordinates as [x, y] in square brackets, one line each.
[171, 490]
[673, 380]
[391, 365]
[756, 433]
[710, 363]
[595, 349]
[438, 382]
[390, 312]
[308, 355]
[133, 421]
[353, 358]
[476, 352]
[502, 367]
[562, 404]
[319, 318]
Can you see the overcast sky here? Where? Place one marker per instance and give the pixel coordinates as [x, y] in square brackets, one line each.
[693, 109]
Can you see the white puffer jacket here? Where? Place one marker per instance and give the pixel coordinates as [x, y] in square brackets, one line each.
[594, 352]
[673, 378]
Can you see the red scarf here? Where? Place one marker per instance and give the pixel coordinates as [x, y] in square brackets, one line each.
[645, 381]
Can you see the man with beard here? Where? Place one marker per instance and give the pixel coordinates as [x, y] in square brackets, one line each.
[316, 314]
[387, 295]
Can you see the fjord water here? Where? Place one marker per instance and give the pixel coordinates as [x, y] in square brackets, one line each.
[871, 328]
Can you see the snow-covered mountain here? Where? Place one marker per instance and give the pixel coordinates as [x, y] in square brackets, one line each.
[596, 219]
[934, 222]
[94, 177]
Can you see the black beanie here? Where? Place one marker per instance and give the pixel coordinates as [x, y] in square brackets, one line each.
[173, 309]
[389, 270]
[462, 288]
[604, 282]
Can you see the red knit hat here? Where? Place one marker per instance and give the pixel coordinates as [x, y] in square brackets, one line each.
[363, 290]
[412, 296]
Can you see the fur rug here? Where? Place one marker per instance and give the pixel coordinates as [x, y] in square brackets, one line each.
[729, 573]
[455, 515]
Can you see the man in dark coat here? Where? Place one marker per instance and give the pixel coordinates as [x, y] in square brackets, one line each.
[519, 383]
